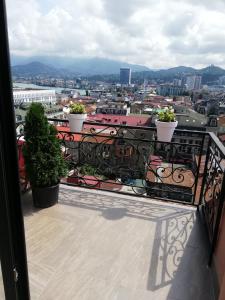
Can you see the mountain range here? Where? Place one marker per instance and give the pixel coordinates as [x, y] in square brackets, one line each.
[76, 66]
[101, 68]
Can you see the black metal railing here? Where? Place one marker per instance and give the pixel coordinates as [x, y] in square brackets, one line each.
[129, 159]
[213, 189]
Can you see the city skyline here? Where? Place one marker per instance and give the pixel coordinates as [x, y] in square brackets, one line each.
[157, 35]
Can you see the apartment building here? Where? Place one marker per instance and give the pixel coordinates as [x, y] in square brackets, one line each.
[28, 96]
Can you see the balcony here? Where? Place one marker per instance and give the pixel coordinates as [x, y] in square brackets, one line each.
[137, 218]
[102, 245]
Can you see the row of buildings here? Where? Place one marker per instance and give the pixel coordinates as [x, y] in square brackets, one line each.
[178, 87]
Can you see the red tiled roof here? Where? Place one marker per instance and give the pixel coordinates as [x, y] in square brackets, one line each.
[120, 120]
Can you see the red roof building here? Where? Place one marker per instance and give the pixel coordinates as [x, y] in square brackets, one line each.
[118, 120]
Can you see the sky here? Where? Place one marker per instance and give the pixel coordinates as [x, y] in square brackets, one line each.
[154, 33]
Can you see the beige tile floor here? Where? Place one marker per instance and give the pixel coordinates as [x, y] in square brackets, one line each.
[102, 246]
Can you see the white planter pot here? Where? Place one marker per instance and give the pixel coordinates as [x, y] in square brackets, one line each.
[76, 121]
[165, 130]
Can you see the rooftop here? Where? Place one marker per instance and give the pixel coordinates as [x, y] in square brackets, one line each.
[99, 245]
[131, 120]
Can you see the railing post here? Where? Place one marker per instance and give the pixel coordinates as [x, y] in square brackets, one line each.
[205, 171]
[198, 168]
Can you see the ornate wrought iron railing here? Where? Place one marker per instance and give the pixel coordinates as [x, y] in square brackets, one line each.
[130, 160]
[213, 188]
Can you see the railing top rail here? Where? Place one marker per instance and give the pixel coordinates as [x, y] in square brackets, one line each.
[130, 127]
[59, 120]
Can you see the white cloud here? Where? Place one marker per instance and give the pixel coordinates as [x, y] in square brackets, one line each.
[150, 32]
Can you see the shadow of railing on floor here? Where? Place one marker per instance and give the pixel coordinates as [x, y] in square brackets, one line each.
[115, 207]
[179, 258]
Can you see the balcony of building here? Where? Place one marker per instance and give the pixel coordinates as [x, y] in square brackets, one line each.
[137, 218]
[101, 245]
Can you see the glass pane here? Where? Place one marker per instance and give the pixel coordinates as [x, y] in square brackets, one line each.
[2, 294]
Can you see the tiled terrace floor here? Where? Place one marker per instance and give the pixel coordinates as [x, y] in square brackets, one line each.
[102, 246]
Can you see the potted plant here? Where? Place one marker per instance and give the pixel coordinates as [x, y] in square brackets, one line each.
[166, 124]
[77, 115]
[44, 163]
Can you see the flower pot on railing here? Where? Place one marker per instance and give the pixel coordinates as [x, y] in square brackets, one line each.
[76, 117]
[166, 125]
[76, 121]
[165, 130]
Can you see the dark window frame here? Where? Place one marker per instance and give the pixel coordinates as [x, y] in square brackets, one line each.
[12, 237]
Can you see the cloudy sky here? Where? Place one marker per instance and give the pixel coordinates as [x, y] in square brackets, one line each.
[155, 33]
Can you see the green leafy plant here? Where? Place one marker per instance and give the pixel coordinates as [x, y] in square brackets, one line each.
[77, 108]
[167, 115]
[90, 170]
[87, 169]
[44, 162]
